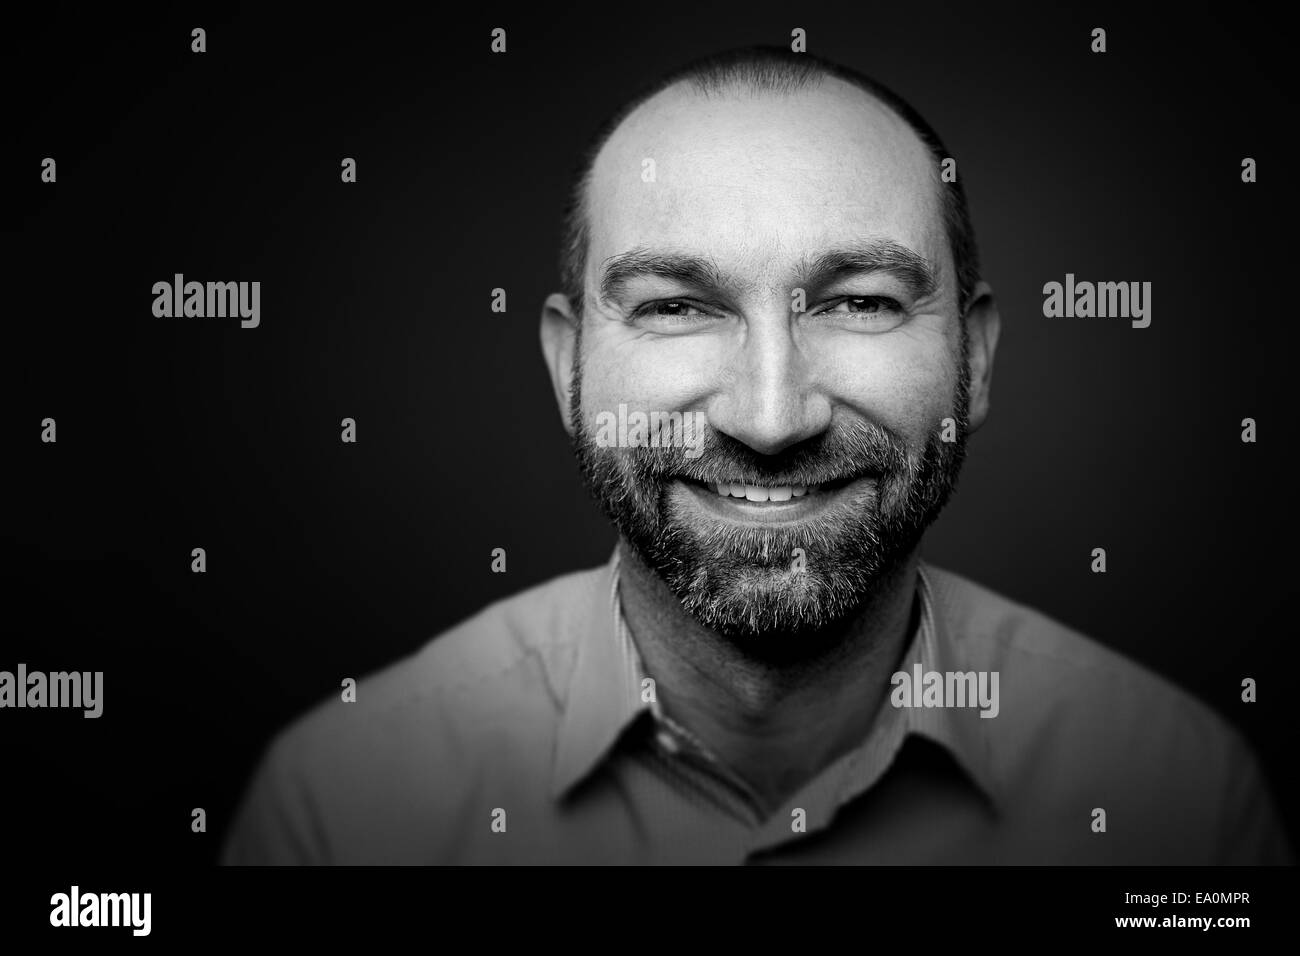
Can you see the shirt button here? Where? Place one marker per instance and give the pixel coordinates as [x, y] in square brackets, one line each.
[667, 741]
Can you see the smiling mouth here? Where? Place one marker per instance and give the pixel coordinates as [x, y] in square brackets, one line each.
[763, 493]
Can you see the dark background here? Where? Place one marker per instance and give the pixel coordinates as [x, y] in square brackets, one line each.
[328, 560]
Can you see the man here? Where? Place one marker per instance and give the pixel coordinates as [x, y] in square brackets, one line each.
[772, 345]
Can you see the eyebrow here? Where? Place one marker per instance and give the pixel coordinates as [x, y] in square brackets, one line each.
[693, 270]
[913, 270]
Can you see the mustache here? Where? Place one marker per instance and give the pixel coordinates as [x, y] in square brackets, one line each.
[851, 450]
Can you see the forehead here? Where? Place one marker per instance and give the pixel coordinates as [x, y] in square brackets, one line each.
[759, 179]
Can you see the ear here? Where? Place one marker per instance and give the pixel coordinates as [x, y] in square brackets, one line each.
[559, 333]
[983, 325]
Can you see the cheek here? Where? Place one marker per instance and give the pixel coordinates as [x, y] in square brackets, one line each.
[903, 380]
[647, 374]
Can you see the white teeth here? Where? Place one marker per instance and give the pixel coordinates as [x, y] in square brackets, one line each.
[738, 489]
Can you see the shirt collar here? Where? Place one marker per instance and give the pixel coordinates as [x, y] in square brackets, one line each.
[604, 692]
[959, 730]
[605, 697]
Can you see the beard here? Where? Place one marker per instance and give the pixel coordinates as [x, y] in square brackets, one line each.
[760, 585]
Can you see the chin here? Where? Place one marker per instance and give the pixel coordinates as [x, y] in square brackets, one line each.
[775, 607]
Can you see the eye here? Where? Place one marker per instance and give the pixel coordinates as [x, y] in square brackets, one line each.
[865, 313]
[671, 310]
[869, 305]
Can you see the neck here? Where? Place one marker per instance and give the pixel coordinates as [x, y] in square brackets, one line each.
[775, 724]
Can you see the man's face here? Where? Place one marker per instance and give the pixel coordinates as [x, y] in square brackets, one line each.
[777, 263]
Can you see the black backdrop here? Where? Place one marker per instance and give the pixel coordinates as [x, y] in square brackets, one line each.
[328, 560]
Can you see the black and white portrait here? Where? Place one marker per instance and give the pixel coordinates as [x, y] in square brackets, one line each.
[689, 435]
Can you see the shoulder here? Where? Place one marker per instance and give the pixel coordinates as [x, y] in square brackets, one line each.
[526, 639]
[1058, 664]
[410, 742]
[1083, 724]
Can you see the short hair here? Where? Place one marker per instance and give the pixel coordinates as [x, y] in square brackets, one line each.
[777, 70]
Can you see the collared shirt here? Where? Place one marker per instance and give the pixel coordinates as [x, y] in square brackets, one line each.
[528, 734]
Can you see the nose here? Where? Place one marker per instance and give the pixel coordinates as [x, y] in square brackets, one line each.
[769, 397]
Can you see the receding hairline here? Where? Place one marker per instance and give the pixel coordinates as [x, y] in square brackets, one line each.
[740, 87]
[762, 72]
[683, 91]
